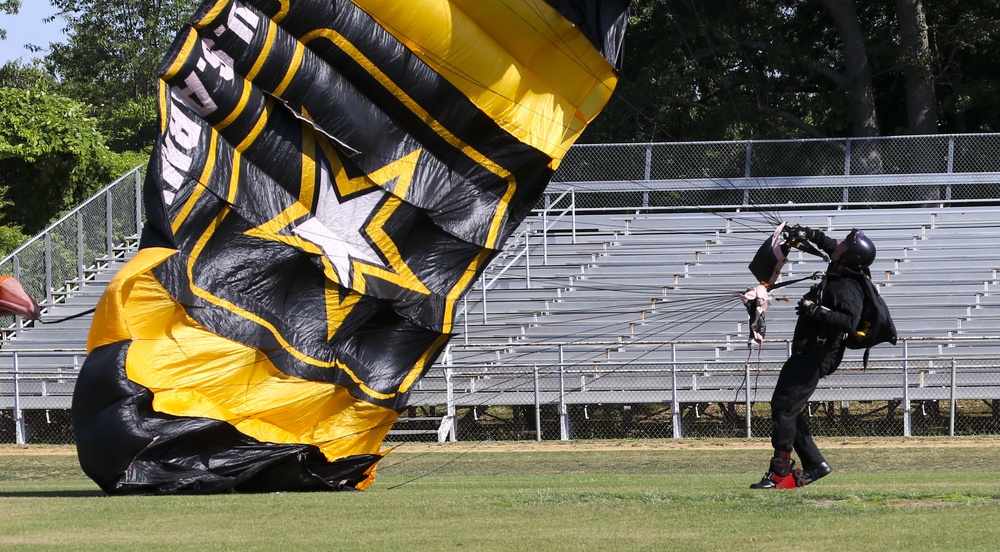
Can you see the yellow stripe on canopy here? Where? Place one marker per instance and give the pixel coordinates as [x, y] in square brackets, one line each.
[193, 372]
[522, 63]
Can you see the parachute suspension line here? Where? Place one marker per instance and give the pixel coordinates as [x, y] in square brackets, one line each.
[712, 305]
[770, 217]
[743, 385]
[814, 276]
[437, 469]
[70, 317]
[722, 300]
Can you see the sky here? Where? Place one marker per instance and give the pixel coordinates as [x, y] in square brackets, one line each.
[27, 27]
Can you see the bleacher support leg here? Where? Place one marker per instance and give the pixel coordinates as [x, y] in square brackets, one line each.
[20, 431]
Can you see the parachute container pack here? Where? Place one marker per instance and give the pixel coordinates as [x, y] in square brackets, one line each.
[329, 179]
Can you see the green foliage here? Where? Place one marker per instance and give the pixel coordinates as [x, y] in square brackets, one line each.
[52, 156]
[11, 237]
[111, 58]
[16, 74]
[760, 69]
[8, 6]
[131, 125]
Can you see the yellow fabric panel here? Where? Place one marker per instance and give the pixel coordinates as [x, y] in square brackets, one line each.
[194, 372]
[522, 63]
[109, 325]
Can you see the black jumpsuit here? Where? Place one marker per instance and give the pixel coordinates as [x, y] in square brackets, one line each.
[817, 349]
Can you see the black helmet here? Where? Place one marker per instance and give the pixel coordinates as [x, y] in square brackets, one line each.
[860, 251]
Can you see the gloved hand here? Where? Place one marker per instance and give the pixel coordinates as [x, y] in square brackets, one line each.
[804, 233]
[812, 309]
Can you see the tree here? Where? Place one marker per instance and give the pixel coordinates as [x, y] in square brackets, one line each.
[856, 76]
[714, 74]
[52, 157]
[796, 68]
[8, 6]
[921, 100]
[963, 40]
[730, 70]
[110, 60]
[17, 74]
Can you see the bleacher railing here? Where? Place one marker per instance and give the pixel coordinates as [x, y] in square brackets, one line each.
[907, 396]
[890, 170]
[946, 170]
[54, 262]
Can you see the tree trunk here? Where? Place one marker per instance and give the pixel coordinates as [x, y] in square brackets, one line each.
[866, 156]
[921, 101]
[864, 119]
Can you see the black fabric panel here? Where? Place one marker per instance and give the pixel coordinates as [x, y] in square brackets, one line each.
[127, 448]
[601, 21]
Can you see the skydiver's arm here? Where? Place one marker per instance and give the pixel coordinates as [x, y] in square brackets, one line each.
[822, 241]
[841, 309]
[815, 236]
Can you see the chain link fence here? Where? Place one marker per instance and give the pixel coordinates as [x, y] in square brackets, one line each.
[628, 401]
[905, 397]
[894, 170]
[53, 264]
[895, 397]
[36, 386]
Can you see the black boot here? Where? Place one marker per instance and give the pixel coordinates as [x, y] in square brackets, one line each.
[781, 475]
[812, 474]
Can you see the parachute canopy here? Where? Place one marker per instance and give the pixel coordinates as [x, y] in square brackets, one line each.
[14, 300]
[329, 179]
[771, 257]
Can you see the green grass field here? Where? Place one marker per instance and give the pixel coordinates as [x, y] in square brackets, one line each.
[913, 494]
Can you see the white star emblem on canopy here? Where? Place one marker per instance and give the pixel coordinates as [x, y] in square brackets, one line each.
[337, 227]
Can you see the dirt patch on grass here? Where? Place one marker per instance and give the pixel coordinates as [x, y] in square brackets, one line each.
[28, 450]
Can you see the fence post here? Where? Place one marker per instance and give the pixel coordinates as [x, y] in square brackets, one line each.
[451, 433]
[746, 395]
[538, 405]
[138, 202]
[482, 285]
[465, 318]
[545, 237]
[48, 268]
[951, 165]
[572, 207]
[675, 409]
[747, 171]
[907, 430]
[564, 429]
[648, 171]
[527, 259]
[954, 378]
[18, 321]
[19, 426]
[951, 154]
[79, 249]
[847, 157]
[109, 228]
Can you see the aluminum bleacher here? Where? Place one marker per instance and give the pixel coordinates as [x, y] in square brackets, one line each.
[630, 305]
[663, 291]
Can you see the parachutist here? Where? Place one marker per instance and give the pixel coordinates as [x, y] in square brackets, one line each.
[828, 313]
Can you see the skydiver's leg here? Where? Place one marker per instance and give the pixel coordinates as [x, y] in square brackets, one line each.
[814, 466]
[796, 383]
[805, 447]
